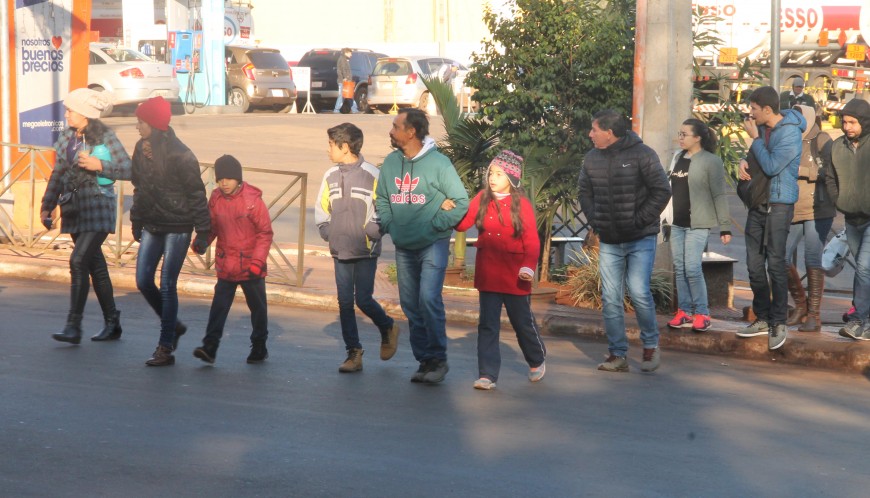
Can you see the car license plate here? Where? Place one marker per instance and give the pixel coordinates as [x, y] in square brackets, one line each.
[316, 84]
[160, 93]
[277, 92]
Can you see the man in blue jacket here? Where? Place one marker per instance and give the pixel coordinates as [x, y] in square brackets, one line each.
[414, 180]
[776, 144]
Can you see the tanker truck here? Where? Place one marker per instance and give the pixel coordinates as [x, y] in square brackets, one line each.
[815, 36]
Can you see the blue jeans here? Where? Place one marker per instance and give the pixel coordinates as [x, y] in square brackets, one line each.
[687, 246]
[355, 282]
[631, 263]
[858, 238]
[340, 101]
[172, 247]
[766, 234]
[814, 233]
[421, 280]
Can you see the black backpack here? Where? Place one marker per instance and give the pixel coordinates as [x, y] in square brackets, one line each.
[755, 192]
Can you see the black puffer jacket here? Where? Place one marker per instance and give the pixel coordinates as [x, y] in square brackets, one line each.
[623, 190]
[168, 192]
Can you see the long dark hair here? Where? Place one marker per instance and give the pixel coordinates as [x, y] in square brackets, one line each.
[94, 132]
[517, 193]
[709, 140]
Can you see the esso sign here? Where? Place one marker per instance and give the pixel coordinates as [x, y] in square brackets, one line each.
[747, 27]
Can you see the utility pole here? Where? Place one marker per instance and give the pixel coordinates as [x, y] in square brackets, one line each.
[662, 82]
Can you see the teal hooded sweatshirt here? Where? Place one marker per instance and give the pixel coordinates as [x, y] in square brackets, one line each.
[409, 196]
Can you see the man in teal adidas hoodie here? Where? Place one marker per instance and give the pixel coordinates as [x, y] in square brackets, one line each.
[414, 180]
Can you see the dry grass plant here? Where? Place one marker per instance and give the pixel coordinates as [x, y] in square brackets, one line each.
[584, 283]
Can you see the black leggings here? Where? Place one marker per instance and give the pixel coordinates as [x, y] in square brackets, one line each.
[87, 260]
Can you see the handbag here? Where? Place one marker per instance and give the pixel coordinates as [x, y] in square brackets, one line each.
[69, 207]
[834, 255]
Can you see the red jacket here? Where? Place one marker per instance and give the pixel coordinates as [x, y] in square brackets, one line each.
[243, 229]
[500, 255]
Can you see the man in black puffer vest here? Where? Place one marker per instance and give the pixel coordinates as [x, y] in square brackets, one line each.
[623, 191]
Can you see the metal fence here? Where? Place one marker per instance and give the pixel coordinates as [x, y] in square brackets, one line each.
[23, 184]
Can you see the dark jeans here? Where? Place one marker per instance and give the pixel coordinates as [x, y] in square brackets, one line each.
[87, 261]
[172, 247]
[519, 313]
[224, 293]
[355, 282]
[858, 238]
[766, 235]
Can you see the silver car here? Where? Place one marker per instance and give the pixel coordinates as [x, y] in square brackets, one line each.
[130, 75]
[397, 80]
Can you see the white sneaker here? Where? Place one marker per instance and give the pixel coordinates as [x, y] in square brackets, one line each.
[537, 373]
[484, 384]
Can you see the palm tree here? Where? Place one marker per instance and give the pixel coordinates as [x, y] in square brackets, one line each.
[468, 143]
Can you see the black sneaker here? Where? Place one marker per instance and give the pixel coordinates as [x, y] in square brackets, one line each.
[259, 353]
[206, 352]
[421, 371]
[436, 372]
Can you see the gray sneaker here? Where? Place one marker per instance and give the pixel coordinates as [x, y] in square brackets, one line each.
[758, 327]
[853, 330]
[866, 335]
[777, 337]
[614, 364]
[651, 359]
[436, 373]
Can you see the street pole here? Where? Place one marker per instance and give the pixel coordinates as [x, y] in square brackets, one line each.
[775, 35]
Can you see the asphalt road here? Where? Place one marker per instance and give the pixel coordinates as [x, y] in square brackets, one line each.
[93, 420]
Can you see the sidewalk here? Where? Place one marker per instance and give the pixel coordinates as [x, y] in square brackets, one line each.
[819, 350]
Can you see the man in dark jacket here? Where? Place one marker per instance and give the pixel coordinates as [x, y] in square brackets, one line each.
[623, 191]
[344, 74]
[776, 144]
[849, 157]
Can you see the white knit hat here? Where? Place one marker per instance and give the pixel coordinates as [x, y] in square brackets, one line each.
[89, 103]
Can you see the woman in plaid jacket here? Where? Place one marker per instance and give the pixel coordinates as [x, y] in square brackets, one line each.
[89, 159]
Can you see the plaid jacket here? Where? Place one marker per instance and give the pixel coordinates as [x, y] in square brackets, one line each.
[97, 204]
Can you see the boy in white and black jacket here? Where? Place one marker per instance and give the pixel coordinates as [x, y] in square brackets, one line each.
[345, 215]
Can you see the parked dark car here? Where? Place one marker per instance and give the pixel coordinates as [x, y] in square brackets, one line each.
[259, 77]
[324, 76]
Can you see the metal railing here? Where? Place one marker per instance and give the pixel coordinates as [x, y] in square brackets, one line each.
[23, 184]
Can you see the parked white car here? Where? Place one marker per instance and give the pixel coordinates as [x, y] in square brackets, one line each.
[129, 75]
[397, 80]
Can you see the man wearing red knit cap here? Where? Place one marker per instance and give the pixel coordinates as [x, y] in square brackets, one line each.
[169, 202]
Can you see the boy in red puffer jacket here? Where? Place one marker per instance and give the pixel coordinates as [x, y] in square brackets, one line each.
[243, 229]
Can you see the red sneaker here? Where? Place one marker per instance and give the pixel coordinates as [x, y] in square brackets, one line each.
[701, 323]
[680, 320]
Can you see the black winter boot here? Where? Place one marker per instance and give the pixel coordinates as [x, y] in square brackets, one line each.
[207, 352]
[258, 352]
[72, 333]
[111, 328]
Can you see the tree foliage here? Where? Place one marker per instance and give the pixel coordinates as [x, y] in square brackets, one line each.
[550, 66]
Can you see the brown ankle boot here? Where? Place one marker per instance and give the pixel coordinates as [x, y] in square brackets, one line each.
[815, 286]
[796, 289]
[353, 363]
[162, 357]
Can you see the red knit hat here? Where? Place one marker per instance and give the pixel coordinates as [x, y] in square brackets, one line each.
[156, 112]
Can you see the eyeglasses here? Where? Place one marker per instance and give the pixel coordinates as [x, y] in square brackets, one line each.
[684, 135]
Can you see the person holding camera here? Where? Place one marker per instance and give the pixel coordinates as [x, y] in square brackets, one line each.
[89, 158]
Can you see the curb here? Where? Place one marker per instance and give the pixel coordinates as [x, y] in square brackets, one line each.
[802, 349]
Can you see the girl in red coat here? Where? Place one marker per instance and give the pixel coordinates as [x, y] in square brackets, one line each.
[241, 224]
[507, 255]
